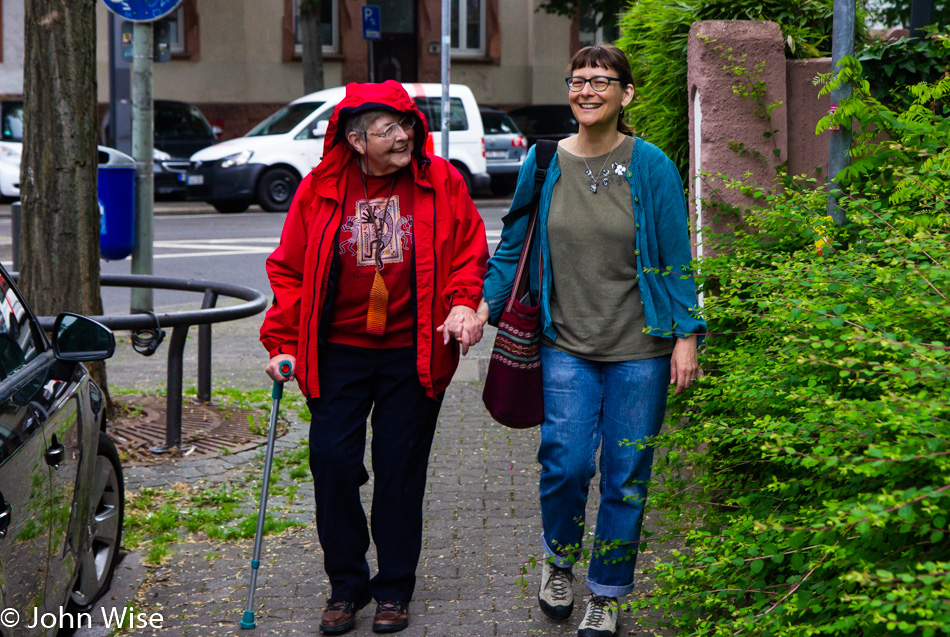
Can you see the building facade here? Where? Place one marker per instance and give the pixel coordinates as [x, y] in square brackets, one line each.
[239, 60]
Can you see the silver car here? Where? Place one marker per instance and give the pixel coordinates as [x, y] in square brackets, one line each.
[505, 150]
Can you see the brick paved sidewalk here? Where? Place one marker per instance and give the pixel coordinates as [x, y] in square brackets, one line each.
[482, 526]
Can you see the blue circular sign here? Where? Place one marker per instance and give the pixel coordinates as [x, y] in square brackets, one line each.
[142, 10]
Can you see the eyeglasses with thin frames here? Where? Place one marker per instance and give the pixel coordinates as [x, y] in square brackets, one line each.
[406, 124]
[599, 83]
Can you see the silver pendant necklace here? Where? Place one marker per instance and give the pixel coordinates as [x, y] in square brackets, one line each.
[602, 177]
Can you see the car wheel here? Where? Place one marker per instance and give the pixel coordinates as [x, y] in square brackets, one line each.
[97, 564]
[467, 176]
[231, 205]
[276, 189]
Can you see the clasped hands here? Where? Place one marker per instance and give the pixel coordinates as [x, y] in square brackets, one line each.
[464, 325]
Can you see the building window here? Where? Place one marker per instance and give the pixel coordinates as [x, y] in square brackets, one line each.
[183, 31]
[328, 21]
[595, 27]
[468, 27]
[176, 31]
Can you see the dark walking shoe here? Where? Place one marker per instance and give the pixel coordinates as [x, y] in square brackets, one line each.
[556, 593]
[391, 617]
[338, 617]
[601, 617]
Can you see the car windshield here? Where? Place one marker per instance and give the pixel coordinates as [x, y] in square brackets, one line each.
[13, 123]
[498, 123]
[181, 122]
[285, 119]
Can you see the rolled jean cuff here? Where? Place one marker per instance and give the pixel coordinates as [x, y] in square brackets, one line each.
[609, 591]
[566, 560]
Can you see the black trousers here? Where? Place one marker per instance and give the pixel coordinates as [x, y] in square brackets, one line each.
[353, 381]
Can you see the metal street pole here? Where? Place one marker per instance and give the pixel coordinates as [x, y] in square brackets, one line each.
[921, 15]
[445, 49]
[839, 143]
[143, 139]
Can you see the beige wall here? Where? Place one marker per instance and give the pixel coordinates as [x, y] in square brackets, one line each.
[11, 68]
[241, 58]
[535, 50]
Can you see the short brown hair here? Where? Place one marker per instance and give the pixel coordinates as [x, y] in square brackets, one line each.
[607, 56]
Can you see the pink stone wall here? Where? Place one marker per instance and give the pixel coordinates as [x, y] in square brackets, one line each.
[728, 118]
[807, 152]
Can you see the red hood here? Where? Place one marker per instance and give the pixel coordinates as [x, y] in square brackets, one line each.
[389, 95]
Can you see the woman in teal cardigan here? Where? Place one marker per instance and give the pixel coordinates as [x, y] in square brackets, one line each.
[620, 324]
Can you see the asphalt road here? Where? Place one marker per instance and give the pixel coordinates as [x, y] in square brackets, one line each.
[193, 241]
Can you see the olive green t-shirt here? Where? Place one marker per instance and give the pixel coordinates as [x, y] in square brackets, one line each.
[595, 296]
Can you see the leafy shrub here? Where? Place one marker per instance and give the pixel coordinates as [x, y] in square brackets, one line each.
[895, 63]
[819, 439]
[655, 35]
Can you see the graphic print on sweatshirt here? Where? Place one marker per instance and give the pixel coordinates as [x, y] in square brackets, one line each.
[395, 231]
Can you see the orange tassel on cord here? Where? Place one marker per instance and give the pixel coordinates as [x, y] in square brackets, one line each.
[378, 304]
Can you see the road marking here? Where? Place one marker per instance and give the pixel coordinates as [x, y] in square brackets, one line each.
[215, 247]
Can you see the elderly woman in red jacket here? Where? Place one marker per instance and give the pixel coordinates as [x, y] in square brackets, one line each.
[376, 281]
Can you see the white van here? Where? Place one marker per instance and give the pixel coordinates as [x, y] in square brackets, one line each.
[266, 165]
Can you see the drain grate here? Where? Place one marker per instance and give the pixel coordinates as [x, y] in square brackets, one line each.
[207, 430]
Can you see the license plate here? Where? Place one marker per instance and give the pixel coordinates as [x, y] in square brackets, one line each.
[495, 154]
[196, 180]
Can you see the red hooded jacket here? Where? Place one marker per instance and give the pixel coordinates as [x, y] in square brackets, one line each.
[451, 250]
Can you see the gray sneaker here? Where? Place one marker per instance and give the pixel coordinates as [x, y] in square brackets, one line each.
[556, 594]
[600, 619]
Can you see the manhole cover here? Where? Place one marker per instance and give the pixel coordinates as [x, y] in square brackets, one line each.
[207, 430]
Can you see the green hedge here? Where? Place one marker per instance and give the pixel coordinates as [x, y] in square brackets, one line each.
[817, 446]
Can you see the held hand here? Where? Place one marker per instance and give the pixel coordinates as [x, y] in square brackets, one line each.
[483, 311]
[462, 324]
[273, 368]
[684, 364]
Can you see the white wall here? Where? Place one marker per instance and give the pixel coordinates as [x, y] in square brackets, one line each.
[11, 69]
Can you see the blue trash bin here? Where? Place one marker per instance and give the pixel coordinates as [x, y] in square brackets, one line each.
[116, 204]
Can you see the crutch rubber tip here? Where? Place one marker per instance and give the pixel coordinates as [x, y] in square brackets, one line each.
[248, 622]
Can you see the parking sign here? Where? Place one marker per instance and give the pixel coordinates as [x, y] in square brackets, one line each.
[142, 10]
[371, 23]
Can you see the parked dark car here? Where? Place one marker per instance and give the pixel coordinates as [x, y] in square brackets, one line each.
[61, 485]
[180, 131]
[545, 121]
[505, 149]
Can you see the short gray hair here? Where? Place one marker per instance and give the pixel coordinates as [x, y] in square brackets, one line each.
[360, 122]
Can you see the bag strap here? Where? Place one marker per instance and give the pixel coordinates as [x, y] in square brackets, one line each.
[544, 153]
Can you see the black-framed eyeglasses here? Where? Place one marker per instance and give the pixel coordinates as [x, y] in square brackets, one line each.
[599, 83]
[406, 124]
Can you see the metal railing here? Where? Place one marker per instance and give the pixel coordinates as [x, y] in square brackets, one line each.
[179, 322]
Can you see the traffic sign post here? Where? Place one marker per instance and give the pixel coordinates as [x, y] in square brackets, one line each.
[372, 31]
[142, 10]
[142, 13]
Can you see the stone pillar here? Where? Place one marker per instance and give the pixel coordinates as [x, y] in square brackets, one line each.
[720, 120]
[807, 152]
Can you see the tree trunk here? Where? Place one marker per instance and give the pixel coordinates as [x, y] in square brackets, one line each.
[312, 43]
[59, 240]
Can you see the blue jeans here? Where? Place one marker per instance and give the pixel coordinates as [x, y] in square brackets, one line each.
[587, 403]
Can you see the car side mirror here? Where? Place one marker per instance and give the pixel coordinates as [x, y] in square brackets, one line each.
[216, 131]
[320, 130]
[79, 338]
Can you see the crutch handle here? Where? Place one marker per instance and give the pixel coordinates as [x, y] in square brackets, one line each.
[284, 368]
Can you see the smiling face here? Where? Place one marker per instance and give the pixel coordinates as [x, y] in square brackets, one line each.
[595, 110]
[385, 156]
